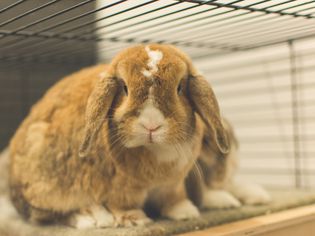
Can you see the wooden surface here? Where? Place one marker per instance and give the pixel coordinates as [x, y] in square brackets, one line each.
[296, 222]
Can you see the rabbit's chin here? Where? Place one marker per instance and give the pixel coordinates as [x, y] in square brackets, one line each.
[144, 140]
[165, 150]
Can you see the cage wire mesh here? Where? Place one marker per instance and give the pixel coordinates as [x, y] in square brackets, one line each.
[258, 55]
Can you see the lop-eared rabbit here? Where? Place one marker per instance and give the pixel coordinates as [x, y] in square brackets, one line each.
[105, 140]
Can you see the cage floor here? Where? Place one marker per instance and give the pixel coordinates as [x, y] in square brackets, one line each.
[12, 225]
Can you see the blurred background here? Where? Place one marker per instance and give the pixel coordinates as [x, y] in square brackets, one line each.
[259, 57]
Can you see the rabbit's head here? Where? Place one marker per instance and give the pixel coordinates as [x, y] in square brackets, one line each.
[149, 96]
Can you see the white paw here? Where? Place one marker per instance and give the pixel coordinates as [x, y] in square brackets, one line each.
[7, 209]
[183, 210]
[102, 217]
[81, 221]
[93, 217]
[219, 199]
[250, 194]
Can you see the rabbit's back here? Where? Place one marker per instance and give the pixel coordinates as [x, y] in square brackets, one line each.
[44, 149]
[61, 108]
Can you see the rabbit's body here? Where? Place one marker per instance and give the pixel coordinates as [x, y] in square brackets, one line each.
[140, 134]
[45, 167]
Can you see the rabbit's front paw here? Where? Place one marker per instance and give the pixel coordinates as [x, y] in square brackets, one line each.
[81, 221]
[94, 217]
[182, 210]
[219, 199]
[250, 193]
[102, 217]
[131, 218]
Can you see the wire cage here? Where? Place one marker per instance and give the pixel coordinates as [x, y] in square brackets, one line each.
[258, 55]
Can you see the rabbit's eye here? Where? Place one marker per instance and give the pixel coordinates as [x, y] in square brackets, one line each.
[179, 89]
[126, 90]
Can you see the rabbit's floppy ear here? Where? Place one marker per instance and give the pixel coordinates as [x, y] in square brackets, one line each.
[205, 103]
[98, 105]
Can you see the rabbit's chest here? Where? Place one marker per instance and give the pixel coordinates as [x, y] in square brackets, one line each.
[170, 163]
[157, 165]
[178, 156]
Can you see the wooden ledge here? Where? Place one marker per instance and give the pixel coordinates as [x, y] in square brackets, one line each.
[296, 222]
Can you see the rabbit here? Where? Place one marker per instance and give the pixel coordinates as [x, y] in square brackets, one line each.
[216, 185]
[107, 139]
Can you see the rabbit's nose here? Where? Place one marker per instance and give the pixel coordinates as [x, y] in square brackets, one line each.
[151, 128]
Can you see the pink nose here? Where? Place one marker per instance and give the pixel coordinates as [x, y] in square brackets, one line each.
[151, 128]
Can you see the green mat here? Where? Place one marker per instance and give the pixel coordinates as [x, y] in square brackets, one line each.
[12, 225]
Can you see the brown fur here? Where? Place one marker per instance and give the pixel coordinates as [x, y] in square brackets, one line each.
[63, 161]
[216, 168]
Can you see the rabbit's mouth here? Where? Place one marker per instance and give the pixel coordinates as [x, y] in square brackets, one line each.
[144, 136]
[151, 132]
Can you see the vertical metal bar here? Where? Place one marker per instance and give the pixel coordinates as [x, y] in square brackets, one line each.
[295, 116]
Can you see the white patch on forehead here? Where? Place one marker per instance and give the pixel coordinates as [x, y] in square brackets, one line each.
[155, 56]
